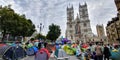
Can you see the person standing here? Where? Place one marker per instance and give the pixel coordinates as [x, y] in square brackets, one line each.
[45, 49]
[98, 51]
[43, 53]
[106, 53]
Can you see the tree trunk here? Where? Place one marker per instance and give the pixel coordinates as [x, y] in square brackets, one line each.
[4, 32]
[14, 38]
[24, 39]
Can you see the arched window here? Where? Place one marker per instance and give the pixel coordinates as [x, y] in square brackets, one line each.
[85, 24]
[70, 26]
[71, 37]
[85, 30]
[77, 29]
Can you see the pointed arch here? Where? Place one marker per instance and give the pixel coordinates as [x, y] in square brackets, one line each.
[77, 29]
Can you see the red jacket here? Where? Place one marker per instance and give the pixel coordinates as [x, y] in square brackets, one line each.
[45, 50]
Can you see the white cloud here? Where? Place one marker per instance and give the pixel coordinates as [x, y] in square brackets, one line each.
[54, 11]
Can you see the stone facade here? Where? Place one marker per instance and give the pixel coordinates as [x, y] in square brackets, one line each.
[117, 2]
[113, 27]
[78, 28]
[100, 31]
[101, 34]
[113, 30]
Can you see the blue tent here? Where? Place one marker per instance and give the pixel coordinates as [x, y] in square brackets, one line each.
[13, 53]
[115, 55]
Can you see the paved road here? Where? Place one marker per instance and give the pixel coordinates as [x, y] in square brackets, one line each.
[32, 58]
[73, 58]
[29, 58]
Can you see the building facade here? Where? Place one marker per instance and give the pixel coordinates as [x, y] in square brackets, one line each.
[113, 30]
[78, 28]
[100, 30]
[117, 2]
[101, 34]
[113, 26]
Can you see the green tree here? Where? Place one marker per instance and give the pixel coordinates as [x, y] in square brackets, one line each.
[6, 17]
[40, 36]
[54, 32]
[15, 24]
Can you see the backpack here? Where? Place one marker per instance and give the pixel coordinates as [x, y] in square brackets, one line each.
[31, 51]
[98, 50]
[35, 49]
[41, 55]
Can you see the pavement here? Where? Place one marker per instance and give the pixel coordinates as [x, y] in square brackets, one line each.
[32, 58]
[73, 58]
[29, 58]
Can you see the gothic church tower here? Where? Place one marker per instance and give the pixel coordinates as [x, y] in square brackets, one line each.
[78, 28]
[85, 22]
[70, 18]
[70, 13]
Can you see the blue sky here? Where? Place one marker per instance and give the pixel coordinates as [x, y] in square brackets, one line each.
[54, 11]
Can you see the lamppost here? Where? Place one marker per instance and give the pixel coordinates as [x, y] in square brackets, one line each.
[0, 29]
[41, 26]
[0, 23]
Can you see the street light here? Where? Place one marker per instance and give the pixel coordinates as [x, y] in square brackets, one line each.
[0, 29]
[0, 23]
[41, 27]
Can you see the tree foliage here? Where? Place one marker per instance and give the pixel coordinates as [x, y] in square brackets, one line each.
[54, 32]
[15, 24]
[40, 36]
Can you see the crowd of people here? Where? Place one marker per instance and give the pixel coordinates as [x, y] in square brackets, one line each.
[83, 51]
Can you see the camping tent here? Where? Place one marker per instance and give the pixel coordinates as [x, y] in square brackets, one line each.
[61, 54]
[13, 53]
[3, 48]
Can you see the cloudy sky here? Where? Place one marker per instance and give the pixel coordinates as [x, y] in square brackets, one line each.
[54, 11]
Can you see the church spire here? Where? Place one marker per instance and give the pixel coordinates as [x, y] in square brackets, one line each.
[79, 5]
[85, 4]
[70, 12]
[72, 6]
[67, 7]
